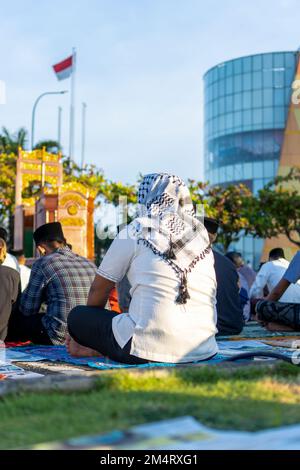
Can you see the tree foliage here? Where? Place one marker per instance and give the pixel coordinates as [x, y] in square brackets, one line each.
[10, 143]
[51, 146]
[7, 185]
[276, 210]
[229, 205]
[9, 146]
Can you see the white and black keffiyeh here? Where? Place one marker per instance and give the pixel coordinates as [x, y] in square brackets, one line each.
[166, 223]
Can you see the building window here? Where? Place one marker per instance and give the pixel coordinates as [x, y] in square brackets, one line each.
[237, 66]
[237, 101]
[257, 62]
[267, 78]
[268, 98]
[257, 80]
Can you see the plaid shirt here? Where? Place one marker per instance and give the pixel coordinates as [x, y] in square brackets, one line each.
[62, 280]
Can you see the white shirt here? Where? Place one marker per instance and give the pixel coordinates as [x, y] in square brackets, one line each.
[269, 275]
[11, 262]
[25, 275]
[162, 330]
[244, 285]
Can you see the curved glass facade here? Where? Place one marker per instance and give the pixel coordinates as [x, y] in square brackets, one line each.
[246, 107]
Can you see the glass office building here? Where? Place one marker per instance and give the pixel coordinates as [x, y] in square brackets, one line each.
[246, 107]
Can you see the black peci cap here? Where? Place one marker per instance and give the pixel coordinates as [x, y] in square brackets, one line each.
[49, 232]
[211, 225]
[17, 253]
[3, 234]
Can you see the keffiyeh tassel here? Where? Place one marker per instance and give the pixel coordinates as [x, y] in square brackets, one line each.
[170, 254]
[183, 295]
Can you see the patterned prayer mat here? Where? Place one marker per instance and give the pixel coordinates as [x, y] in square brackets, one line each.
[255, 330]
[228, 346]
[60, 354]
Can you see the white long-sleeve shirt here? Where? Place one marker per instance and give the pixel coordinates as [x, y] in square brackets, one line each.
[11, 262]
[25, 276]
[269, 275]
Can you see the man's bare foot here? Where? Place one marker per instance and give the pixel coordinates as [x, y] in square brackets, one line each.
[278, 327]
[68, 339]
[260, 322]
[76, 350]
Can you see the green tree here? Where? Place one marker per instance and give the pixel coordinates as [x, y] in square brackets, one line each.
[9, 147]
[229, 205]
[276, 210]
[90, 175]
[7, 186]
[51, 146]
[112, 191]
[10, 143]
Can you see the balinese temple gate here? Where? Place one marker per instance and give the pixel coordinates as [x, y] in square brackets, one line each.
[70, 203]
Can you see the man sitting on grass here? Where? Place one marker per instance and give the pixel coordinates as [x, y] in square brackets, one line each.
[23, 269]
[229, 307]
[281, 316]
[10, 260]
[270, 274]
[61, 279]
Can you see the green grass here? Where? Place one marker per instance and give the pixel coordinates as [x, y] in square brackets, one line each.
[241, 399]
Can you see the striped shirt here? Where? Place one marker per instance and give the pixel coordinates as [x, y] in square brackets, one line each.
[61, 280]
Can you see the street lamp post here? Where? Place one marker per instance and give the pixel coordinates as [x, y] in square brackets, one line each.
[34, 109]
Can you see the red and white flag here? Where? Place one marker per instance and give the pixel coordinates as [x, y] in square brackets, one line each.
[64, 68]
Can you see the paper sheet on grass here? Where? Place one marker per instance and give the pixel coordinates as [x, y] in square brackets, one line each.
[183, 433]
[12, 372]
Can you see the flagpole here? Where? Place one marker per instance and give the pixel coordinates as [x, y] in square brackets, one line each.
[72, 106]
[59, 126]
[83, 119]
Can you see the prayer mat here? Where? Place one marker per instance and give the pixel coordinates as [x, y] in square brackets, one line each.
[284, 343]
[10, 344]
[60, 354]
[254, 330]
[8, 355]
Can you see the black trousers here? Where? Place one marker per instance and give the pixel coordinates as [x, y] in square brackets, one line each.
[279, 312]
[92, 327]
[21, 328]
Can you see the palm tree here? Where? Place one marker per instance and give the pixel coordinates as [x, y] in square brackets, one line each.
[10, 143]
[51, 146]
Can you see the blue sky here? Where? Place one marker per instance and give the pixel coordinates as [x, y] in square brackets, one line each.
[140, 68]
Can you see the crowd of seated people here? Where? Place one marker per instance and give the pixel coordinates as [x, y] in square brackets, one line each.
[161, 293]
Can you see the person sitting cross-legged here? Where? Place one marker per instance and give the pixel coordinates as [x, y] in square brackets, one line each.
[229, 306]
[61, 280]
[10, 289]
[270, 274]
[165, 253]
[23, 269]
[276, 314]
[10, 261]
[236, 259]
[246, 272]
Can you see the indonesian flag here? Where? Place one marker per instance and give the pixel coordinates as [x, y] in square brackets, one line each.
[64, 69]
